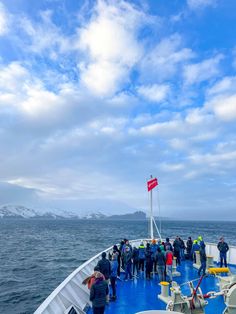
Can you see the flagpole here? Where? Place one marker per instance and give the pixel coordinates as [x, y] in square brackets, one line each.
[151, 216]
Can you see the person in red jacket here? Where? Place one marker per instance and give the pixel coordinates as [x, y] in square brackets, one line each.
[169, 261]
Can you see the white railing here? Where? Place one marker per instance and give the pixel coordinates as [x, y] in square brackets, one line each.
[72, 292]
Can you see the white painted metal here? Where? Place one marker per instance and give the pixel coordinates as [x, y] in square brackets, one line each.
[72, 292]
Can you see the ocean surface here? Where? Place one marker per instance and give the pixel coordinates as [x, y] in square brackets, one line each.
[37, 255]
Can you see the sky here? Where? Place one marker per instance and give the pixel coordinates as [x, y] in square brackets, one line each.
[96, 96]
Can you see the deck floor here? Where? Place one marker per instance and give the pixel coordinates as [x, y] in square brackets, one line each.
[140, 294]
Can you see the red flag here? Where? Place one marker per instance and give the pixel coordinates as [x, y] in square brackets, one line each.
[151, 184]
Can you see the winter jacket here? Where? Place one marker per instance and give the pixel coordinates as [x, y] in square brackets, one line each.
[223, 247]
[98, 293]
[161, 260]
[105, 267]
[169, 258]
[141, 252]
[114, 267]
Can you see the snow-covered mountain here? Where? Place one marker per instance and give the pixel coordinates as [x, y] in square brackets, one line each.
[11, 211]
[18, 211]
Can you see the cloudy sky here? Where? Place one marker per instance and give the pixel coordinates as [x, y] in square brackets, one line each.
[95, 96]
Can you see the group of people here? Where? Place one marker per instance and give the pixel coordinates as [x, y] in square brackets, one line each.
[155, 257]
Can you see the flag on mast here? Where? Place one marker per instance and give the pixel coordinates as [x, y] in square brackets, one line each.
[151, 184]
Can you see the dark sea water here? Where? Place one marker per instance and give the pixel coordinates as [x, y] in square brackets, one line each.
[37, 255]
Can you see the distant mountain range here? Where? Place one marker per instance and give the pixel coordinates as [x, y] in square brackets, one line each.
[18, 211]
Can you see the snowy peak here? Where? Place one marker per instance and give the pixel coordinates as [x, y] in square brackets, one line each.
[97, 215]
[11, 211]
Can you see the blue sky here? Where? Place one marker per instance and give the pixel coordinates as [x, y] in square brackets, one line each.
[97, 95]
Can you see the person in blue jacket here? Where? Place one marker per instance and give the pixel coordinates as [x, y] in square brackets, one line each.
[113, 277]
[154, 248]
[195, 248]
[141, 256]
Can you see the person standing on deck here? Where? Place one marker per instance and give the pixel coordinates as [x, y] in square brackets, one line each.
[161, 262]
[167, 243]
[141, 257]
[128, 263]
[189, 248]
[105, 266]
[121, 254]
[99, 293]
[114, 267]
[135, 258]
[182, 249]
[223, 248]
[149, 262]
[154, 247]
[203, 259]
[117, 252]
[169, 262]
[177, 246]
[195, 248]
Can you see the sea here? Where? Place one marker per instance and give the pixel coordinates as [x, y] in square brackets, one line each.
[37, 255]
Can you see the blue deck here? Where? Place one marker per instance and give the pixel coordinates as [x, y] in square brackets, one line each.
[140, 294]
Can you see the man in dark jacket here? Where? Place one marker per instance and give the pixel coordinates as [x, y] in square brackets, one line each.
[223, 248]
[203, 259]
[104, 266]
[189, 247]
[98, 294]
[128, 263]
[177, 247]
[161, 262]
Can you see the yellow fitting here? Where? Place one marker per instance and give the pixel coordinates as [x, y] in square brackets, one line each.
[164, 283]
[218, 270]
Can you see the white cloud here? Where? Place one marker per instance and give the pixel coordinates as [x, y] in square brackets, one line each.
[103, 78]
[13, 76]
[167, 128]
[155, 92]
[165, 59]
[111, 44]
[4, 20]
[44, 37]
[223, 107]
[225, 86]
[213, 160]
[172, 167]
[202, 71]
[198, 4]
[22, 92]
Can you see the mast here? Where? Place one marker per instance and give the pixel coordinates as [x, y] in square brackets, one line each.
[151, 184]
[151, 216]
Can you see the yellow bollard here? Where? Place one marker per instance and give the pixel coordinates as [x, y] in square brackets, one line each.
[164, 289]
[218, 270]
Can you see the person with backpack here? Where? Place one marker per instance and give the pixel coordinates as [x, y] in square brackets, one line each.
[141, 257]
